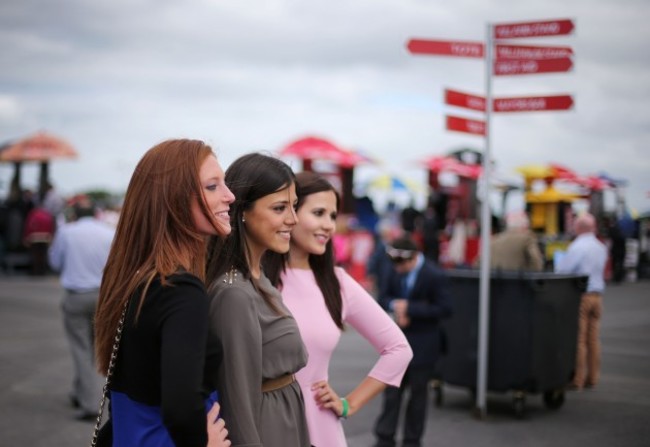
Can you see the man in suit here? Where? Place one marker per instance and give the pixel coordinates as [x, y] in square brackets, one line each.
[516, 248]
[418, 296]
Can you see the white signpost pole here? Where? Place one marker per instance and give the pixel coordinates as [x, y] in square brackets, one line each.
[486, 231]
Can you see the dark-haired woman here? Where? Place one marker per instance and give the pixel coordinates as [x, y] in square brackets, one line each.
[259, 344]
[323, 298]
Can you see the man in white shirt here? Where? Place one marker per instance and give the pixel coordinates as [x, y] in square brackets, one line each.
[587, 256]
[79, 252]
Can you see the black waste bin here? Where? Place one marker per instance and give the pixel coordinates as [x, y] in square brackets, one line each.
[533, 330]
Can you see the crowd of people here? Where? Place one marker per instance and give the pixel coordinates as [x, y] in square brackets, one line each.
[213, 305]
[28, 223]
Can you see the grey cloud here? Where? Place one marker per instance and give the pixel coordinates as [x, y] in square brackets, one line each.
[118, 76]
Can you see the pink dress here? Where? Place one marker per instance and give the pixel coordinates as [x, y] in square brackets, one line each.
[320, 335]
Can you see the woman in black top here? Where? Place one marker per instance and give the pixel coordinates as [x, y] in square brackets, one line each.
[176, 198]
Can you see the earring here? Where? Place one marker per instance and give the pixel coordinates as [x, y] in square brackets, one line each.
[243, 219]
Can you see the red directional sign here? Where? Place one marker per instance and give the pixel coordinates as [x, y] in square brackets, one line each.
[532, 52]
[533, 29]
[465, 125]
[533, 103]
[460, 99]
[446, 48]
[528, 66]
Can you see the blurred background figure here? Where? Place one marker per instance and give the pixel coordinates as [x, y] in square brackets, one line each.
[587, 256]
[79, 252]
[411, 218]
[430, 236]
[616, 250]
[18, 206]
[37, 236]
[110, 215]
[379, 265]
[342, 242]
[54, 203]
[419, 297]
[517, 247]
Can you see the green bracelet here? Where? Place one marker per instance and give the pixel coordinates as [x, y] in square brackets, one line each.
[346, 408]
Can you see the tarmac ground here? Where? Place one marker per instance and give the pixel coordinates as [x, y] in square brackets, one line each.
[35, 377]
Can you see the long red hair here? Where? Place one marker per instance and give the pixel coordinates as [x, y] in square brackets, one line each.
[155, 235]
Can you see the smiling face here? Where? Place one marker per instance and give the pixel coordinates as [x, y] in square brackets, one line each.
[217, 198]
[269, 223]
[316, 225]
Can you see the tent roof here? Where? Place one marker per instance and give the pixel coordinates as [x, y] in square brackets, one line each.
[41, 146]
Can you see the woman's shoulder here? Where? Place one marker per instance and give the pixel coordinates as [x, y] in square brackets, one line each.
[182, 278]
[178, 290]
[232, 284]
[339, 270]
[343, 276]
[171, 284]
[294, 275]
[351, 290]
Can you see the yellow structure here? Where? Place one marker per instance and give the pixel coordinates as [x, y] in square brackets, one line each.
[545, 206]
[545, 209]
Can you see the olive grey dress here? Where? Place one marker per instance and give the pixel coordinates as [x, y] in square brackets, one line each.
[251, 344]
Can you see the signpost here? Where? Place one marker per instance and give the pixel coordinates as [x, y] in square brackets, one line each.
[446, 48]
[529, 66]
[533, 29]
[531, 52]
[508, 60]
[533, 103]
[517, 104]
[465, 100]
[466, 125]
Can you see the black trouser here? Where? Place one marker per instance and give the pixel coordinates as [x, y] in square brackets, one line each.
[618, 266]
[417, 380]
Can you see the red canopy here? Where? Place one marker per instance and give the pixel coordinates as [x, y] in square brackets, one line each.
[562, 172]
[592, 182]
[438, 164]
[314, 148]
[41, 146]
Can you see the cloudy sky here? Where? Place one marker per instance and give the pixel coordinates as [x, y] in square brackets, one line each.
[116, 77]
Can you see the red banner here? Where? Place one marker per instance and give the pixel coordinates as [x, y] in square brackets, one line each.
[532, 52]
[533, 29]
[533, 103]
[505, 67]
[446, 48]
[465, 125]
[460, 99]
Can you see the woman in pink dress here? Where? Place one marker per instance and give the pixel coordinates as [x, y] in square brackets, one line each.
[323, 299]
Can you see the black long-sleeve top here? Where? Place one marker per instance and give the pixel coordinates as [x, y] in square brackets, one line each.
[162, 356]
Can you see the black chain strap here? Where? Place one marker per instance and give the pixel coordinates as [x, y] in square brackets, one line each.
[109, 373]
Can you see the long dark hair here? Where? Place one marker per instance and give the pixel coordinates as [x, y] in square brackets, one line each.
[308, 183]
[250, 177]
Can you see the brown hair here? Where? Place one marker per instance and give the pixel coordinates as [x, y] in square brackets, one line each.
[155, 235]
[308, 183]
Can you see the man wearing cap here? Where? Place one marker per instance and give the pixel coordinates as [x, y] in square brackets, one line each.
[418, 295]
